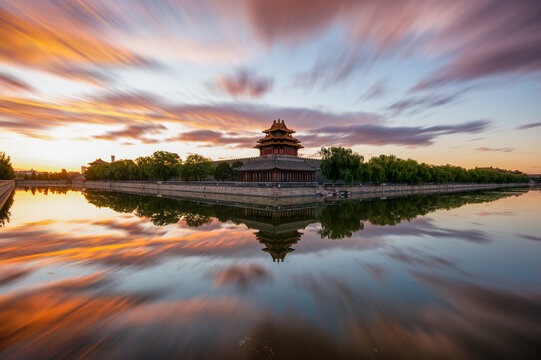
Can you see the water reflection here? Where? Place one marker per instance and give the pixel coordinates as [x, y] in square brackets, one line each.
[278, 228]
[108, 276]
[4, 210]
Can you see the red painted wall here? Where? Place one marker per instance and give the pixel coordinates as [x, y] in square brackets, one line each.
[278, 151]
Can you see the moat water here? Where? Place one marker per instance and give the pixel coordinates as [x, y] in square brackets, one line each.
[116, 276]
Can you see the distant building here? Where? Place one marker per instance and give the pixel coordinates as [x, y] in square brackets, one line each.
[97, 162]
[278, 159]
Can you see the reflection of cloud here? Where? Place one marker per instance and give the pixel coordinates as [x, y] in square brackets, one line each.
[242, 276]
[530, 237]
[66, 319]
[488, 213]
[466, 320]
[425, 227]
[119, 242]
[376, 272]
[430, 262]
[9, 274]
[244, 83]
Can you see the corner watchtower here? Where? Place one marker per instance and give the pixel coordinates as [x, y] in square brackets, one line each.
[278, 141]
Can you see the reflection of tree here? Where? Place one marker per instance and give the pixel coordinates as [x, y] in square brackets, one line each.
[4, 211]
[278, 228]
[47, 190]
[161, 211]
[342, 220]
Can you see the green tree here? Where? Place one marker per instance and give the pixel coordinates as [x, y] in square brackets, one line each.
[164, 165]
[196, 167]
[6, 169]
[236, 164]
[224, 172]
[339, 163]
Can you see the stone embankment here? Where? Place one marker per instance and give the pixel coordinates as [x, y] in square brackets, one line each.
[284, 191]
[6, 187]
[43, 183]
[273, 190]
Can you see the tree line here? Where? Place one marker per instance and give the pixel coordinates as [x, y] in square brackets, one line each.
[339, 163]
[62, 175]
[163, 165]
[6, 169]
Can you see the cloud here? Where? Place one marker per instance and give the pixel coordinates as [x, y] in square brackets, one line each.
[32, 117]
[12, 83]
[334, 67]
[475, 40]
[212, 138]
[142, 114]
[487, 39]
[244, 83]
[505, 149]
[376, 90]
[383, 135]
[59, 40]
[529, 126]
[292, 21]
[420, 103]
[134, 132]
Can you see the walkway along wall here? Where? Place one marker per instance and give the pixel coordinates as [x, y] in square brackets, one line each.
[6, 187]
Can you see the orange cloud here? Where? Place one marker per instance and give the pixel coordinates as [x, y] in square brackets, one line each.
[61, 47]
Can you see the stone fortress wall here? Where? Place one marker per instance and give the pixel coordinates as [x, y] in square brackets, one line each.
[288, 192]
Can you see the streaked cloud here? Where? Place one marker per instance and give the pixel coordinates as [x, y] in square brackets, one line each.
[244, 83]
[213, 138]
[419, 103]
[133, 132]
[529, 126]
[383, 135]
[376, 90]
[60, 45]
[502, 149]
[117, 65]
[12, 83]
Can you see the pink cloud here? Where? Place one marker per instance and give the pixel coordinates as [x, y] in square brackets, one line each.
[244, 84]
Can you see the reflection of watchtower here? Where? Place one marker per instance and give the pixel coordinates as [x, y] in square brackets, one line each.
[278, 230]
[278, 245]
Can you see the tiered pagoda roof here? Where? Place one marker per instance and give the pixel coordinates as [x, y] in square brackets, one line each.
[278, 134]
[97, 162]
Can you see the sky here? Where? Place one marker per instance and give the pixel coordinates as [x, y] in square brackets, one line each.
[442, 82]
